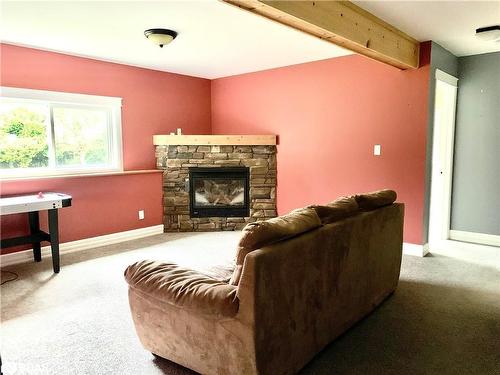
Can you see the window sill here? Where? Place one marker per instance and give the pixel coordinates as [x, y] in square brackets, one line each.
[79, 175]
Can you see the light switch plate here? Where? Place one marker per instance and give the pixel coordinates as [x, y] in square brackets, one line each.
[377, 149]
[141, 214]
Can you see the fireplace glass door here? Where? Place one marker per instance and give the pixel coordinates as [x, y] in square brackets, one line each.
[219, 192]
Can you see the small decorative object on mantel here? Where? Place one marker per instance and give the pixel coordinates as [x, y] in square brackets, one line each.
[179, 131]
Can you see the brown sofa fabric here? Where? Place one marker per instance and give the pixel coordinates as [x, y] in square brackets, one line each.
[263, 233]
[339, 209]
[182, 287]
[375, 199]
[295, 297]
[305, 292]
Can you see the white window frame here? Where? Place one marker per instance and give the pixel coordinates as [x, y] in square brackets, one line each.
[112, 105]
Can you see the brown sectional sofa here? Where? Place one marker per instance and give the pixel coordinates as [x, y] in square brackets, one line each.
[300, 281]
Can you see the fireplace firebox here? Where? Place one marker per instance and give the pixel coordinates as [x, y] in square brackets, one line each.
[219, 192]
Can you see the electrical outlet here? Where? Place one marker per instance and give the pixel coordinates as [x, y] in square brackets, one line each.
[377, 150]
[141, 214]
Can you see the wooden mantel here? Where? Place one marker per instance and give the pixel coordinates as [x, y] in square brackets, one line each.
[231, 140]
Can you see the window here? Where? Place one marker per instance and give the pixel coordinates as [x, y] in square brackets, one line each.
[55, 133]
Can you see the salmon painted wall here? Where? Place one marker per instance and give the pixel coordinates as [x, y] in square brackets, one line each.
[101, 205]
[153, 102]
[328, 116]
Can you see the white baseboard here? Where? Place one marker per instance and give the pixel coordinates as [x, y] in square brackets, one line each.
[479, 238]
[415, 250]
[79, 245]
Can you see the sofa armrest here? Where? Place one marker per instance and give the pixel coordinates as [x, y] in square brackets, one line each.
[182, 287]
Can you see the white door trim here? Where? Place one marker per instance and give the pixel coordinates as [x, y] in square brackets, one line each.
[447, 78]
[442, 159]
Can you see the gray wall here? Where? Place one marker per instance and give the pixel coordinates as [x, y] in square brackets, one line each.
[476, 172]
[447, 62]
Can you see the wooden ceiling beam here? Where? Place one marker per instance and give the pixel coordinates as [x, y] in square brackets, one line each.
[344, 24]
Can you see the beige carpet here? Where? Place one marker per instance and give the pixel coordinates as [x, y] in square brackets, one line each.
[443, 319]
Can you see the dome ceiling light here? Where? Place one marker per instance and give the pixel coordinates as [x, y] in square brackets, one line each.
[160, 37]
[489, 33]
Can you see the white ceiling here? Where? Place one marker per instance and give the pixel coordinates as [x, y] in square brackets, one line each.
[215, 39]
[452, 24]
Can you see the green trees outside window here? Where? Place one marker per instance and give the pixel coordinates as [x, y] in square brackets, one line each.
[58, 136]
[23, 136]
[81, 137]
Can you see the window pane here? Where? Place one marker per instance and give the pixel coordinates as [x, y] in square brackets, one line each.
[23, 135]
[81, 137]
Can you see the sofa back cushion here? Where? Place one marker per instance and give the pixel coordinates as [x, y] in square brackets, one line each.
[263, 233]
[375, 199]
[339, 209]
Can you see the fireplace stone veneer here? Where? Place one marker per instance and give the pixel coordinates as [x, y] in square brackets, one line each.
[177, 160]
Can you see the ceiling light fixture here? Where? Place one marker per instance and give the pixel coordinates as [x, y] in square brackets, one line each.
[489, 33]
[160, 37]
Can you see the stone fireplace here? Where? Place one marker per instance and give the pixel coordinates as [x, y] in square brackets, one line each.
[215, 183]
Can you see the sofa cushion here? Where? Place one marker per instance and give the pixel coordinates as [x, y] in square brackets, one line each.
[182, 287]
[375, 199]
[263, 233]
[339, 209]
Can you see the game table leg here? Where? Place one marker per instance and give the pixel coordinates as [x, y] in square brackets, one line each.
[34, 221]
[54, 238]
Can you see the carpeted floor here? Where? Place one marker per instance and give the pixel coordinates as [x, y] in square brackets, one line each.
[443, 319]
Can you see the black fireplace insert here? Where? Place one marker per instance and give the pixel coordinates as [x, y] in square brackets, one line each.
[219, 192]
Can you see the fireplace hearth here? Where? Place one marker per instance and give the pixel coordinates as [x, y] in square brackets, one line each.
[219, 192]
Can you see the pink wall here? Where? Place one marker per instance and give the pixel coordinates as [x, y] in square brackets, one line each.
[328, 115]
[153, 102]
[101, 205]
